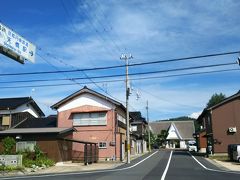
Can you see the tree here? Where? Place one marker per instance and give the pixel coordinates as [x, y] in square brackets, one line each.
[215, 99]
[162, 137]
[152, 139]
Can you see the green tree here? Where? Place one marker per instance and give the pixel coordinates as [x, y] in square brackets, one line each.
[215, 99]
[161, 138]
[8, 145]
[152, 139]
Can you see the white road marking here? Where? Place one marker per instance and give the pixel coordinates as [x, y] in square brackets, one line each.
[77, 173]
[209, 169]
[166, 169]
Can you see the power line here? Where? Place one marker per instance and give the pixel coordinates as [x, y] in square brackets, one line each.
[105, 81]
[118, 66]
[106, 19]
[99, 35]
[139, 73]
[117, 80]
[104, 29]
[67, 78]
[186, 58]
[82, 70]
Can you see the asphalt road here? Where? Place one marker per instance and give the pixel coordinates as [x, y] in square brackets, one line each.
[159, 165]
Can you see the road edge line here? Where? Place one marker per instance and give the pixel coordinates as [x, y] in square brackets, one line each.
[215, 170]
[78, 173]
[166, 169]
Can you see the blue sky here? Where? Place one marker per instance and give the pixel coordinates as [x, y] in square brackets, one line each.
[72, 34]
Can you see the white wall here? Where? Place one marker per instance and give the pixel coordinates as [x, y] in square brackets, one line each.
[86, 99]
[22, 108]
[172, 133]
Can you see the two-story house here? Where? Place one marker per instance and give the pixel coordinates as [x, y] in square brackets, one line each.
[15, 110]
[220, 125]
[139, 129]
[96, 118]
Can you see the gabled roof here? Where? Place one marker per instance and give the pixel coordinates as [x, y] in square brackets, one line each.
[13, 103]
[184, 128]
[47, 122]
[87, 90]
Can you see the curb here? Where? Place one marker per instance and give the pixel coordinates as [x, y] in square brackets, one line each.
[220, 166]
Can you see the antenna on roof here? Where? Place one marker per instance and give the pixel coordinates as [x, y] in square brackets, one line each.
[138, 94]
[32, 91]
[105, 87]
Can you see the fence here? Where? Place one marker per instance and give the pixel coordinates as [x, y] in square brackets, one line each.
[88, 153]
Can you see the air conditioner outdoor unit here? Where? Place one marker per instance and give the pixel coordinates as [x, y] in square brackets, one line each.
[112, 143]
[232, 129]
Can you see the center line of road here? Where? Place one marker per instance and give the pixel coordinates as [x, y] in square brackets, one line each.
[166, 169]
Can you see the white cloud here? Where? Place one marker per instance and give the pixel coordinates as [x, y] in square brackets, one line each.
[195, 115]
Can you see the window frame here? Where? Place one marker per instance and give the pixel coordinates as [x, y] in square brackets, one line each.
[102, 147]
[90, 119]
[25, 144]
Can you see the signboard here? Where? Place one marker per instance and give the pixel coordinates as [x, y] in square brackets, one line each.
[15, 46]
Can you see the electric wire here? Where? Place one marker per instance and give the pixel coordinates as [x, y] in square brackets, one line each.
[116, 80]
[139, 73]
[121, 66]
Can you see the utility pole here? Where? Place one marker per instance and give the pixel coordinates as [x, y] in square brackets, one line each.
[149, 138]
[126, 58]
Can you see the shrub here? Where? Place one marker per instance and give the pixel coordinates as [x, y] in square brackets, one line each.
[28, 162]
[44, 161]
[38, 152]
[38, 162]
[36, 158]
[8, 145]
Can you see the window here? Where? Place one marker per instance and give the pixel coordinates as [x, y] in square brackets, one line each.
[6, 120]
[121, 118]
[25, 145]
[134, 128]
[86, 119]
[102, 145]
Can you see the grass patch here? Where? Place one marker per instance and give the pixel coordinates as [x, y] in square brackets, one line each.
[11, 168]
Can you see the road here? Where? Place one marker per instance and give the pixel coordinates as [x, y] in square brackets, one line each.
[164, 165]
